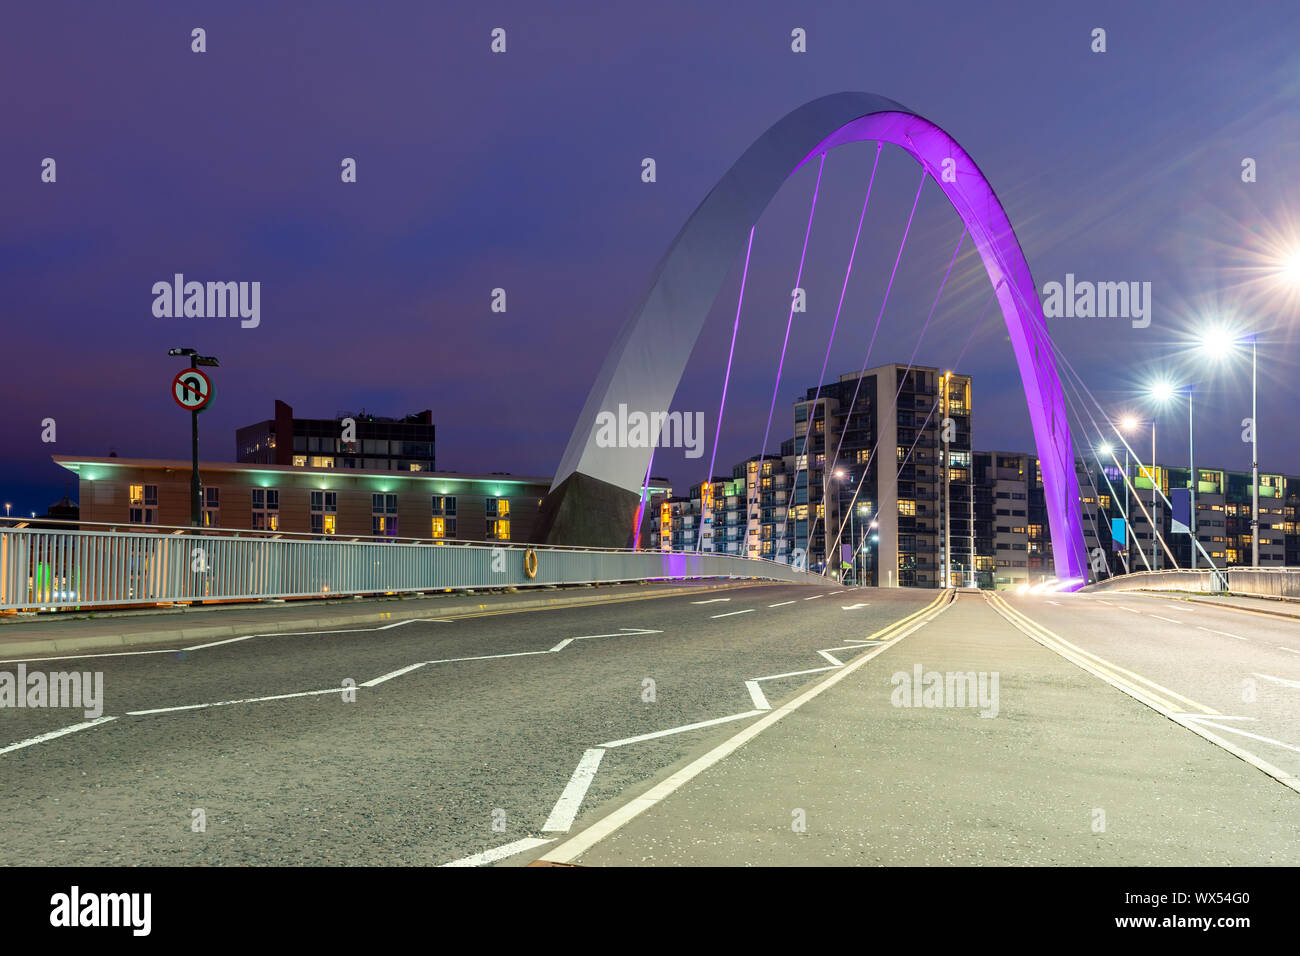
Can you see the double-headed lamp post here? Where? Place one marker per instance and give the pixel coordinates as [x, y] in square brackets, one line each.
[1218, 343]
[826, 516]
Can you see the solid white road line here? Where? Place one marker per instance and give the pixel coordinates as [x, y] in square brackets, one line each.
[56, 733]
[74, 657]
[621, 632]
[713, 601]
[229, 640]
[756, 695]
[748, 610]
[815, 670]
[566, 808]
[576, 845]
[1244, 733]
[488, 657]
[681, 730]
[782, 604]
[1224, 633]
[501, 852]
[397, 673]
[226, 703]
[1278, 680]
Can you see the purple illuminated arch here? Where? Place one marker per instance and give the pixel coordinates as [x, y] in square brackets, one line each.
[596, 490]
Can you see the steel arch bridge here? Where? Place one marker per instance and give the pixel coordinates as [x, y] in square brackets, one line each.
[595, 496]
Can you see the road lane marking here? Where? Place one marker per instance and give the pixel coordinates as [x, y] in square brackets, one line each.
[1107, 670]
[566, 808]
[227, 703]
[561, 646]
[578, 844]
[853, 607]
[501, 852]
[1196, 726]
[683, 729]
[1129, 609]
[827, 654]
[229, 640]
[1278, 680]
[782, 604]
[397, 673]
[814, 597]
[621, 632]
[74, 657]
[1291, 649]
[756, 695]
[713, 601]
[1224, 633]
[42, 738]
[1245, 733]
[749, 610]
[1167, 620]
[1185, 610]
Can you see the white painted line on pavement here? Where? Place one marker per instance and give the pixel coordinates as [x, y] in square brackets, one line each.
[1185, 610]
[56, 733]
[853, 607]
[621, 632]
[713, 601]
[488, 657]
[566, 808]
[501, 852]
[814, 597]
[1129, 609]
[397, 673]
[683, 729]
[782, 604]
[815, 670]
[225, 703]
[576, 845]
[1291, 649]
[756, 695]
[827, 654]
[229, 640]
[1244, 733]
[561, 646]
[1167, 620]
[74, 657]
[1224, 633]
[1278, 680]
[749, 610]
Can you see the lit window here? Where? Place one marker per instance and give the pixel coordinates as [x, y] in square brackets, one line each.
[144, 501]
[300, 461]
[321, 462]
[906, 506]
[324, 512]
[383, 516]
[444, 516]
[266, 509]
[211, 507]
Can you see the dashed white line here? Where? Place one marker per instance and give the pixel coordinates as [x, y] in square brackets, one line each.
[713, 601]
[1224, 633]
[1129, 609]
[1167, 620]
[501, 852]
[814, 597]
[748, 610]
[56, 733]
[1291, 649]
[566, 808]
[781, 604]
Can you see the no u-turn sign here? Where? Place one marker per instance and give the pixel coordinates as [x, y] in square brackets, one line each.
[192, 390]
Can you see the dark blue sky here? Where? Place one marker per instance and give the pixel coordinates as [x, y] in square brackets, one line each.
[522, 171]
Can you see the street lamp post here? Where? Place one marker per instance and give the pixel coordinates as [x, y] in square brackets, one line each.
[1217, 343]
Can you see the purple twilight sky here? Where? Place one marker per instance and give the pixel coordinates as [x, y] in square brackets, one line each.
[522, 171]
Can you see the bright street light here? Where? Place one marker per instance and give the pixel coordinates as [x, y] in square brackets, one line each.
[1162, 391]
[1106, 448]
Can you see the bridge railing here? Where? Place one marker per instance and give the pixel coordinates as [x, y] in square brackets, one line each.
[1247, 582]
[59, 569]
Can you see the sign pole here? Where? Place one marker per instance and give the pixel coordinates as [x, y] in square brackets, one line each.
[196, 490]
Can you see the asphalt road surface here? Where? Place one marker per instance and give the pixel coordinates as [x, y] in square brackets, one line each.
[759, 724]
[462, 737]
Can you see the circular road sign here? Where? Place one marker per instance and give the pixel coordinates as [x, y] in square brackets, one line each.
[192, 390]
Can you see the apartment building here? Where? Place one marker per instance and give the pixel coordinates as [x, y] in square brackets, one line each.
[369, 443]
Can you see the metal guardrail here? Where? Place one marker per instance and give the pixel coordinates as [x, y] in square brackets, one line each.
[1247, 582]
[63, 569]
